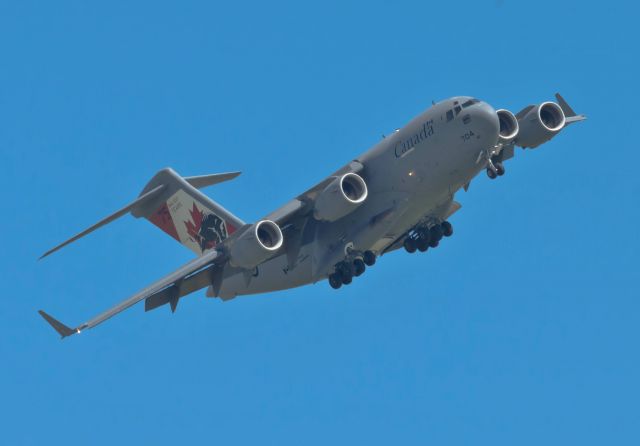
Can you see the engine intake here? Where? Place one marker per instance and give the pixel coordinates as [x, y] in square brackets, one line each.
[256, 244]
[508, 126]
[540, 124]
[343, 195]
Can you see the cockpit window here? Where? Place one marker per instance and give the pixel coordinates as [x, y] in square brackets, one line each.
[449, 115]
[457, 109]
[469, 103]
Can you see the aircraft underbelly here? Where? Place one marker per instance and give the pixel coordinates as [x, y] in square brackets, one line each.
[273, 275]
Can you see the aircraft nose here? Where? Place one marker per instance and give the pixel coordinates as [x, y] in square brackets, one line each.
[488, 123]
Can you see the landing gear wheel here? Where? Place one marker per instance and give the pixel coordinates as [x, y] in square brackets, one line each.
[434, 243]
[491, 174]
[359, 267]
[436, 233]
[369, 258]
[499, 169]
[335, 281]
[410, 245]
[422, 244]
[447, 229]
[347, 279]
[424, 234]
[346, 269]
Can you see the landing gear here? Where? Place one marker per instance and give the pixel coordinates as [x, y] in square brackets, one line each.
[410, 245]
[447, 229]
[359, 267]
[423, 244]
[369, 258]
[346, 270]
[421, 239]
[335, 281]
[418, 241]
[495, 168]
[436, 233]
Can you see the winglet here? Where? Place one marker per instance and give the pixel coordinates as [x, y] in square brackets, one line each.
[58, 326]
[570, 115]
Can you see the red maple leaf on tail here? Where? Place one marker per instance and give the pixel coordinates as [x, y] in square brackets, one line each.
[193, 227]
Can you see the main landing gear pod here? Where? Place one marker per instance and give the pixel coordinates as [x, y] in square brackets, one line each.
[349, 268]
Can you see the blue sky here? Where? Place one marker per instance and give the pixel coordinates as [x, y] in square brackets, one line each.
[521, 329]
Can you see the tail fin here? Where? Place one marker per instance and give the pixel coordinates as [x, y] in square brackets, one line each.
[175, 205]
[186, 214]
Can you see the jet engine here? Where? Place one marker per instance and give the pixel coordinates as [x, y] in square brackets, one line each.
[340, 197]
[256, 244]
[508, 126]
[540, 124]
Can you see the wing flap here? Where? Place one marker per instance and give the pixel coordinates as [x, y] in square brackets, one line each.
[188, 285]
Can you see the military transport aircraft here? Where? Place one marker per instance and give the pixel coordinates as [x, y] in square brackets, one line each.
[398, 194]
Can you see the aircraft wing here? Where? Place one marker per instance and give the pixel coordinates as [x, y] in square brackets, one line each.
[196, 274]
[303, 203]
[295, 214]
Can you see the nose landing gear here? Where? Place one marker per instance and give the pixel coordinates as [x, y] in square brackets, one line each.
[495, 167]
[349, 268]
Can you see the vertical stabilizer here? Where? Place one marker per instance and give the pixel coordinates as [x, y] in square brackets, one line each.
[186, 214]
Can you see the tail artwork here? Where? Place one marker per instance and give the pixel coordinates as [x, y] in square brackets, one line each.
[175, 205]
[187, 215]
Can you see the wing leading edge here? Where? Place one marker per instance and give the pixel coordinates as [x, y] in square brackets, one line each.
[171, 282]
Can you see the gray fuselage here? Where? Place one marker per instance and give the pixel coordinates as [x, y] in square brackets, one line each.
[411, 175]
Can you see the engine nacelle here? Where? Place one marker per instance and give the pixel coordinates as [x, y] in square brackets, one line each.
[540, 124]
[256, 244]
[342, 196]
[508, 126]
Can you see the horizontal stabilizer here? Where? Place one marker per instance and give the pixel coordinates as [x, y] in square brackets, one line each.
[141, 199]
[58, 326]
[209, 180]
[175, 205]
